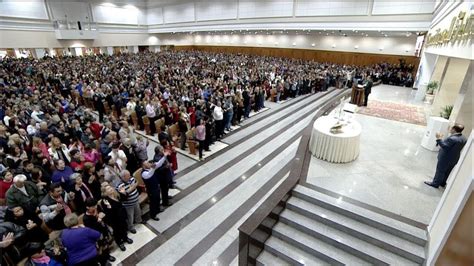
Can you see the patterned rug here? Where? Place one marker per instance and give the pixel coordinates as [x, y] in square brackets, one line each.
[394, 111]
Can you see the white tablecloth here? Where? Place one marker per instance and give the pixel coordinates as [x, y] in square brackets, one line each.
[335, 148]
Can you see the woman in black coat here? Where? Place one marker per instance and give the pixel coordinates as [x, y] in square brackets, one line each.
[115, 216]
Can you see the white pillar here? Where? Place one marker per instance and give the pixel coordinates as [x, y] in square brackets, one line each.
[110, 50]
[78, 51]
[135, 49]
[425, 71]
[39, 53]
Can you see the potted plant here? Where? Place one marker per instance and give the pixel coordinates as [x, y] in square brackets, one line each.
[430, 90]
[446, 111]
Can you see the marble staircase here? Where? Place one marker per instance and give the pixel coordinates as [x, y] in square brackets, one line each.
[317, 229]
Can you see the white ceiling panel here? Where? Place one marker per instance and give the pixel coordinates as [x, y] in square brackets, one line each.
[20, 9]
[178, 13]
[386, 7]
[265, 8]
[212, 10]
[330, 8]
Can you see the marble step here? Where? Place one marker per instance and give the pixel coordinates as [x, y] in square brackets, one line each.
[266, 258]
[315, 247]
[382, 239]
[379, 221]
[290, 254]
[342, 241]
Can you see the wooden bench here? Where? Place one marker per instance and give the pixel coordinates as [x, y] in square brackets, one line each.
[173, 132]
[106, 107]
[158, 124]
[143, 196]
[146, 124]
[190, 140]
[134, 117]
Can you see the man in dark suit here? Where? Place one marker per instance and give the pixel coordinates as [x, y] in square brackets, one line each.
[448, 156]
[367, 89]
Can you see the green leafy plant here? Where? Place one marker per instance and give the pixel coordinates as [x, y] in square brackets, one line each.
[432, 87]
[446, 111]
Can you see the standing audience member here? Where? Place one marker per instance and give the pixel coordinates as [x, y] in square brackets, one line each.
[201, 136]
[152, 185]
[129, 192]
[115, 216]
[80, 242]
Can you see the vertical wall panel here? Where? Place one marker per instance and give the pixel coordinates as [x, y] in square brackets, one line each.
[154, 16]
[178, 13]
[265, 8]
[334, 8]
[75, 11]
[214, 10]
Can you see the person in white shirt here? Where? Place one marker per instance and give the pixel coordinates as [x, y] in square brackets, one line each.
[37, 114]
[118, 156]
[218, 116]
[151, 114]
[152, 184]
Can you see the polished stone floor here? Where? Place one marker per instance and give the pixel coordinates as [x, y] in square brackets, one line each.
[215, 196]
[391, 166]
[389, 171]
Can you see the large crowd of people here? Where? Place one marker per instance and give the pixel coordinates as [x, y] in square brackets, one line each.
[73, 167]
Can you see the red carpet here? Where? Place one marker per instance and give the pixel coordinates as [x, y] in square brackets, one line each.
[395, 111]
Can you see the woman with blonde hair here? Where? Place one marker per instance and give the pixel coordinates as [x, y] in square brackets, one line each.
[59, 151]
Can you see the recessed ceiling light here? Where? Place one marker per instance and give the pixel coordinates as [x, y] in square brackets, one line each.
[313, 44]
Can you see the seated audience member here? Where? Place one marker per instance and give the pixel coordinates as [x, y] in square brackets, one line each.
[30, 221]
[128, 190]
[13, 240]
[55, 206]
[115, 216]
[80, 242]
[38, 257]
[5, 183]
[23, 193]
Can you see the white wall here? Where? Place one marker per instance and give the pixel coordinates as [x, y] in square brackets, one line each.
[390, 45]
[38, 39]
[114, 14]
[331, 8]
[213, 10]
[74, 11]
[377, 45]
[460, 187]
[179, 13]
[461, 48]
[386, 7]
